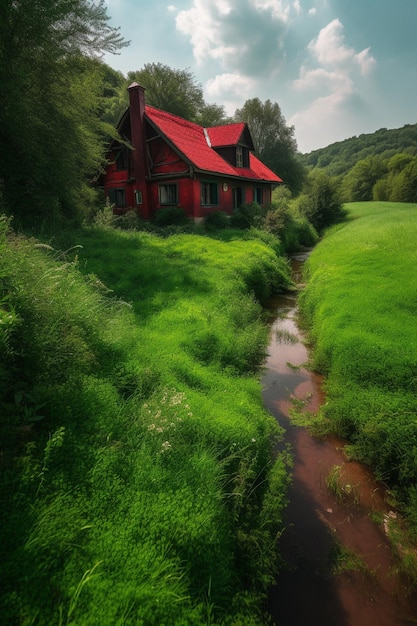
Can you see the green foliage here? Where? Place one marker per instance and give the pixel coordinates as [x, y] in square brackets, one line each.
[360, 306]
[177, 92]
[170, 216]
[50, 134]
[274, 141]
[360, 181]
[247, 216]
[380, 166]
[137, 485]
[320, 201]
[217, 220]
[340, 157]
[285, 221]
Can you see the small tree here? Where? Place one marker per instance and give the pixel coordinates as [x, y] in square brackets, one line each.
[320, 202]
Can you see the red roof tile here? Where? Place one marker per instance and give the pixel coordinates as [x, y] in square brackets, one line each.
[194, 143]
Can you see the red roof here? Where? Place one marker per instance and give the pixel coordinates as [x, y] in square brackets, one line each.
[227, 135]
[195, 143]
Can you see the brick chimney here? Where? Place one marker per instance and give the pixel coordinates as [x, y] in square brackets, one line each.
[140, 154]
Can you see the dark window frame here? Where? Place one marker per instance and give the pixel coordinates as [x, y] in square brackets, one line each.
[168, 194]
[117, 197]
[258, 195]
[209, 193]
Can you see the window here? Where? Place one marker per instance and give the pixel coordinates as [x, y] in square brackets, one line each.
[258, 195]
[239, 156]
[168, 194]
[238, 197]
[117, 197]
[121, 159]
[209, 194]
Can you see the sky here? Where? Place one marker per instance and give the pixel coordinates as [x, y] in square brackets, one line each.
[337, 68]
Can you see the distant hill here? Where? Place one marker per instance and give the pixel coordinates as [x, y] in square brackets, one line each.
[338, 158]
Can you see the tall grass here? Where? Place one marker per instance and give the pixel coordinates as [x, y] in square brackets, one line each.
[360, 305]
[138, 482]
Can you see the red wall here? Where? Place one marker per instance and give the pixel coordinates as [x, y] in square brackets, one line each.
[188, 191]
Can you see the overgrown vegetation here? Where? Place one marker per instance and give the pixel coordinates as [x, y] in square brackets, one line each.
[138, 485]
[360, 309]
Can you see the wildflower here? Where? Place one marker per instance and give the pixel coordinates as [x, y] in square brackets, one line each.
[166, 446]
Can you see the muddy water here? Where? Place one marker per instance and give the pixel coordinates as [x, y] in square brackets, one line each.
[320, 527]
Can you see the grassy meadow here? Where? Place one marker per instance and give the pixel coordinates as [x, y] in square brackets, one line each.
[360, 306]
[138, 485]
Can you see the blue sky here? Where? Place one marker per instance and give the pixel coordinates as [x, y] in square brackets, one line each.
[337, 68]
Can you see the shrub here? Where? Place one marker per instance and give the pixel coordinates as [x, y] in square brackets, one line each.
[247, 216]
[320, 201]
[216, 221]
[170, 216]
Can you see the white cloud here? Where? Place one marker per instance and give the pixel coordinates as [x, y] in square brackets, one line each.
[329, 49]
[200, 26]
[365, 61]
[327, 112]
[229, 89]
[279, 8]
[331, 77]
[321, 79]
[239, 36]
[297, 7]
[172, 8]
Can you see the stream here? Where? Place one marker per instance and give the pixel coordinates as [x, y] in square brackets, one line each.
[324, 530]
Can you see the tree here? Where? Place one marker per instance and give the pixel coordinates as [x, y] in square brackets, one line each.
[50, 77]
[359, 182]
[320, 202]
[274, 141]
[404, 186]
[171, 90]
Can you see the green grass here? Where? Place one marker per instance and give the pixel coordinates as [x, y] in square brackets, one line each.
[360, 306]
[138, 482]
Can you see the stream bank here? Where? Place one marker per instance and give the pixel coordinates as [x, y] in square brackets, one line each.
[339, 568]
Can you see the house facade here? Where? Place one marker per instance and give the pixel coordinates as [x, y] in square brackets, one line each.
[166, 161]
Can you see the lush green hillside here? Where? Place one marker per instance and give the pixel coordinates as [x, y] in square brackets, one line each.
[138, 484]
[338, 158]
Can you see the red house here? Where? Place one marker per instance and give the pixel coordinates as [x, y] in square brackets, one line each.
[178, 163]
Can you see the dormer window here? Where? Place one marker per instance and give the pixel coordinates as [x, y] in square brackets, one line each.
[239, 156]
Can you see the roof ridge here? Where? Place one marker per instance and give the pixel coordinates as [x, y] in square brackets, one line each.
[173, 115]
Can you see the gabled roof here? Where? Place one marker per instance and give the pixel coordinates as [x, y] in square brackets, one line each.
[196, 145]
[227, 135]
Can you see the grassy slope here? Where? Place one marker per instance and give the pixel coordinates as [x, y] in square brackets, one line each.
[137, 483]
[361, 306]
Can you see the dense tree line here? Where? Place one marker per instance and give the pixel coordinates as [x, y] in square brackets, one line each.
[378, 166]
[338, 158]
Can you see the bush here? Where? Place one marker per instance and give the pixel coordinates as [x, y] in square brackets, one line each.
[320, 202]
[217, 221]
[171, 216]
[247, 216]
